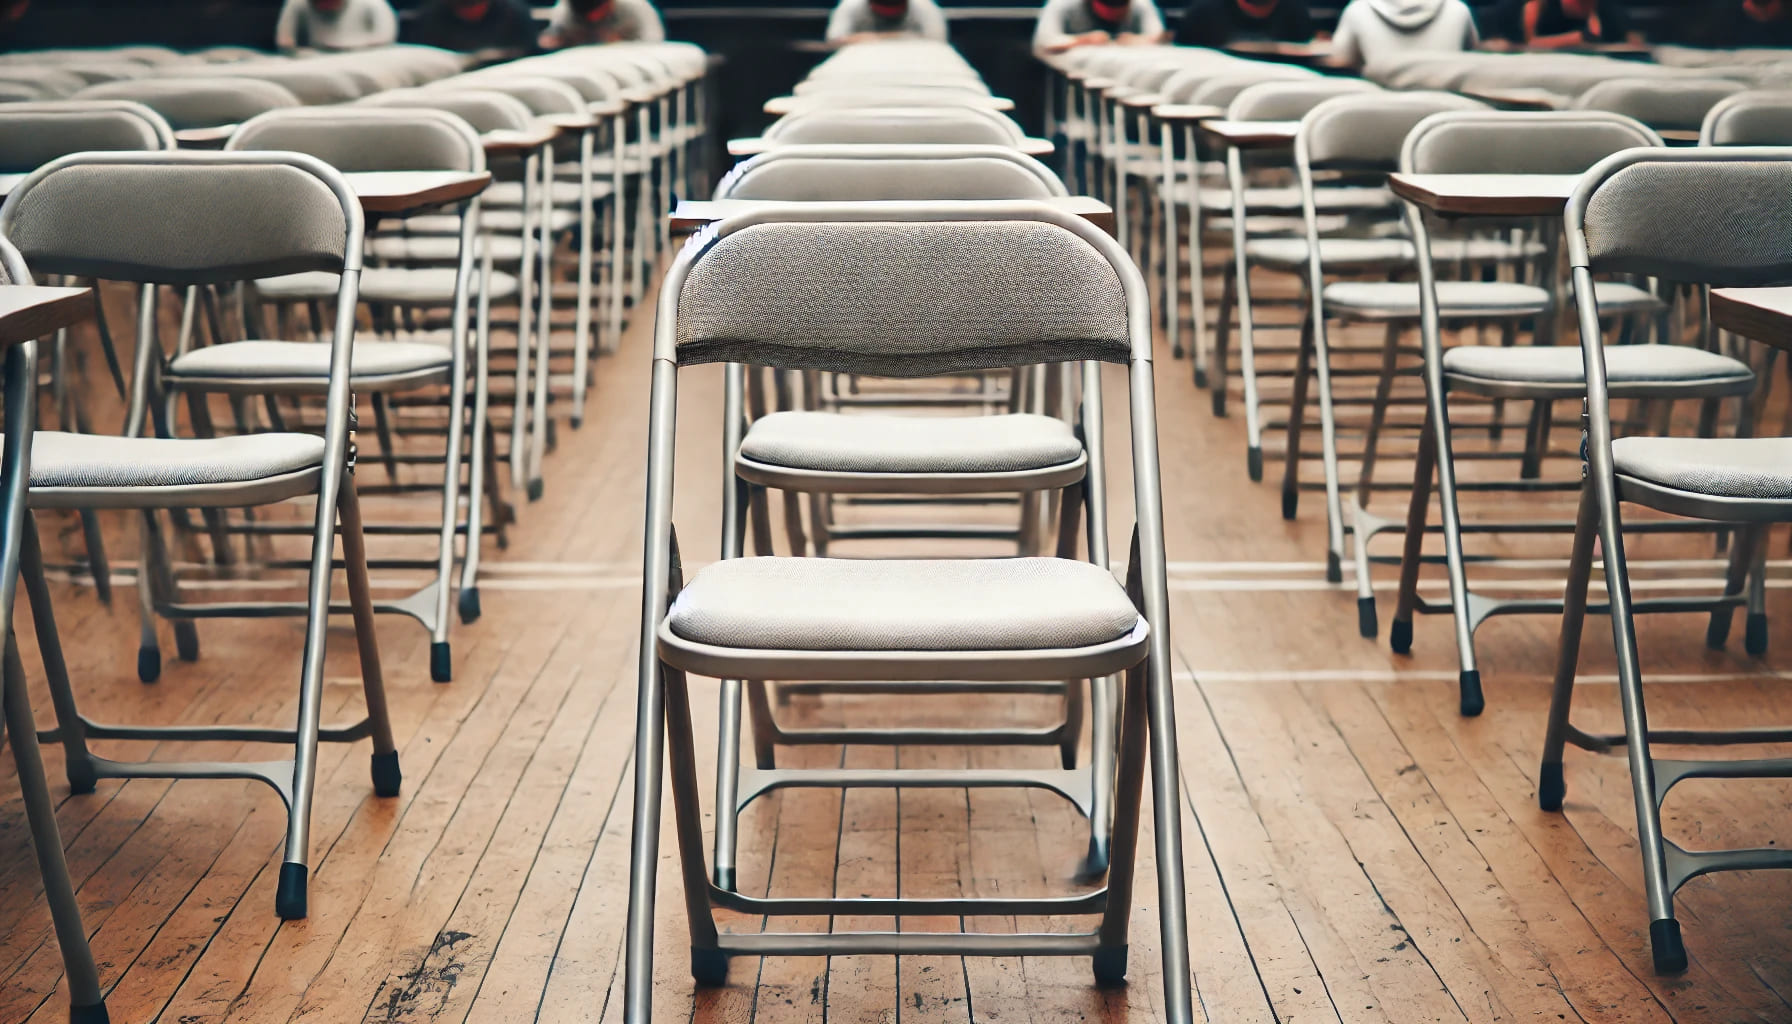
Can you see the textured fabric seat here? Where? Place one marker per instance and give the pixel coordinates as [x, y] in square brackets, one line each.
[1399, 300]
[833, 604]
[306, 360]
[565, 193]
[428, 286]
[505, 249]
[1725, 467]
[63, 460]
[830, 442]
[1624, 364]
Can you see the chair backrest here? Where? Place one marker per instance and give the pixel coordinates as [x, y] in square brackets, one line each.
[185, 218]
[314, 86]
[358, 138]
[1290, 99]
[1367, 131]
[197, 102]
[876, 172]
[1508, 142]
[903, 290]
[33, 134]
[1207, 88]
[485, 110]
[1708, 216]
[931, 125]
[1661, 103]
[542, 95]
[1758, 117]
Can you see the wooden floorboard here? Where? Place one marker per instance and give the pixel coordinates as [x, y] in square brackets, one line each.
[1355, 851]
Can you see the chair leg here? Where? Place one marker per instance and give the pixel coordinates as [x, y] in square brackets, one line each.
[71, 729]
[1552, 788]
[1328, 451]
[1222, 336]
[1297, 413]
[1417, 511]
[87, 1004]
[727, 784]
[1536, 440]
[1384, 388]
[387, 777]
[1736, 577]
[149, 650]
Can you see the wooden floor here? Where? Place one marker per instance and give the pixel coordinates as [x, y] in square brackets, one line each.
[1355, 850]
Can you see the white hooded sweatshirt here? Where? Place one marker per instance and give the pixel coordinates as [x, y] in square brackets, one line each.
[1375, 31]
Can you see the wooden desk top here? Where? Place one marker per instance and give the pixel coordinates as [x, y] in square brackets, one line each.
[1519, 97]
[759, 144]
[606, 108]
[1253, 134]
[505, 142]
[1487, 195]
[205, 138]
[29, 312]
[1296, 53]
[1187, 112]
[409, 191]
[692, 214]
[572, 122]
[1141, 100]
[1760, 314]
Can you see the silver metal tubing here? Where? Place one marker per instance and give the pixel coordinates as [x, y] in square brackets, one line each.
[581, 357]
[457, 399]
[905, 944]
[477, 481]
[544, 332]
[1071, 785]
[1247, 338]
[1172, 245]
[519, 422]
[909, 906]
[734, 512]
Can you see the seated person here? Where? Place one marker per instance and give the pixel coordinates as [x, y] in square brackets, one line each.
[1747, 23]
[1217, 23]
[335, 25]
[588, 22]
[1065, 24]
[492, 29]
[1375, 31]
[858, 21]
[1565, 24]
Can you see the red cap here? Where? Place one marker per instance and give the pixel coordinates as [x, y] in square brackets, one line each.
[1111, 11]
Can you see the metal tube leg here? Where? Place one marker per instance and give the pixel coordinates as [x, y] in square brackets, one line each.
[619, 239]
[87, 1004]
[478, 480]
[1197, 269]
[519, 423]
[1378, 414]
[1110, 959]
[727, 784]
[581, 356]
[1297, 415]
[1552, 788]
[70, 729]
[386, 774]
[1736, 577]
[1755, 641]
[149, 650]
[644, 845]
[1328, 450]
[538, 435]
[1172, 300]
[1219, 374]
[1417, 509]
[708, 964]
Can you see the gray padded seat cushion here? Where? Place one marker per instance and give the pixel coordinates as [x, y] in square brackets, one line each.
[1624, 364]
[831, 442]
[427, 286]
[566, 193]
[103, 460]
[1458, 298]
[841, 604]
[1753, 467]
[307, 359]
[1287, 197]
[1623, 297]
[1345, 252]
[441, 248]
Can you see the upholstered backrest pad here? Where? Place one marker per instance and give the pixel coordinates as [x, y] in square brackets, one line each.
[1522, 143]
[32, 135]
[807, 179]
[1718, 222]
[901, 299]
[1751, 119]
[1367, 131]
[197, 103]
[363, 139]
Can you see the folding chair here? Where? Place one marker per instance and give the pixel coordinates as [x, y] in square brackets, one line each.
[1033, 285]
[200, 110]
[353, 139]
[206, 219]
[1709, 218]
[1670, 105]
[87, 1004]
[1542, 374]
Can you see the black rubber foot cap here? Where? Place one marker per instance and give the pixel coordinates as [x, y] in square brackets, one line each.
[1094, 863]
[1366, 623]
[1472, 701]
[1067, 756]
[186, 641]
[535, 490]
[469, 605]
[1334, 568]
[1219, 402]
[1110, 967]
[1200, 378]
[95, 1014]
[387, 779]
[709, 967]
[1290, 504]
[81, 778]
[1253, 463]
[1552, 789]
[1717, 631]
[1755, 636]
[1400, 636]
[725, 879]
[553, 435]
[441, 663]
[1664, 942]
[149, 664]
[577, 422]
[289, 899]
